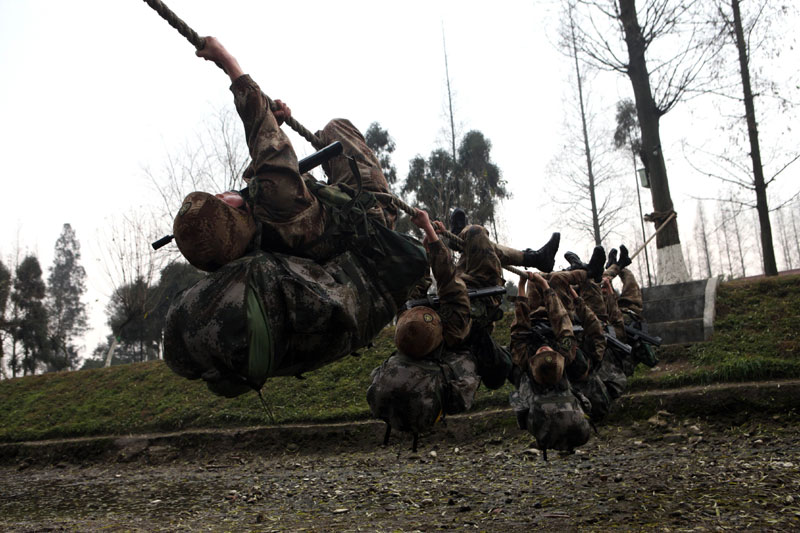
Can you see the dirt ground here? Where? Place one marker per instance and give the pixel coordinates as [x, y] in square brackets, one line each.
[667, 473]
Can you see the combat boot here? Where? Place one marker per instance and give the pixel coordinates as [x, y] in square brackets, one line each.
[545, 257]
[596, 262]
[624, 258]
[575, 262]
[612, 257]
[458, 220]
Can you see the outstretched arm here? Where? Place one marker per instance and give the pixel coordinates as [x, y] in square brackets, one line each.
[215, 52]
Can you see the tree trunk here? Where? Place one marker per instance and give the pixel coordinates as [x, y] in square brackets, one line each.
[587, 150]
[704, 240]
[671, 266]
[770, 267]
[734, 216]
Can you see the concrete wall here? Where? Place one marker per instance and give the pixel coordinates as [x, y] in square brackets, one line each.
[682, 312]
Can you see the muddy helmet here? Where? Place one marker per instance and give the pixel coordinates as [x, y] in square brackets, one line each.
[418, 332]
[547, 366]
[211, 233]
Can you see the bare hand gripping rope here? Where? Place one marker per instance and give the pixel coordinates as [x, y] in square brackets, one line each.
[199, 43]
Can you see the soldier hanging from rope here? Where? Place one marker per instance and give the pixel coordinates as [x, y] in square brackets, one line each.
[301, 273]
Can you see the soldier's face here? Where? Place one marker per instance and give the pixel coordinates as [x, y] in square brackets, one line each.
[231, 198]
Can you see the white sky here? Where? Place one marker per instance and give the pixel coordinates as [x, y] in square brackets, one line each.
[94, 91]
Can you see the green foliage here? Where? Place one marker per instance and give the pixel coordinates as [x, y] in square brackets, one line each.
[66, 312]
[755, 337]
[31, 329]
[472, 182]
[382, 144]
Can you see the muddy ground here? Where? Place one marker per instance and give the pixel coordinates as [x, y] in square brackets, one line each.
[666, 473]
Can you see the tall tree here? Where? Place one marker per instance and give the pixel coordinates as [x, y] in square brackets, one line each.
[382, 144]
[432, 181]
[65, 287]
[747, 35]
[656, 89]
[627, 136]
[701, 237]
[132, 267]
[5, 323]
[28, 295]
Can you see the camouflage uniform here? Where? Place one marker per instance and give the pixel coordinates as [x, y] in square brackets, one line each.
[411, 395]
[293, 220]
[630, 299]
[593, 337]
[273, 312]
[554, 415]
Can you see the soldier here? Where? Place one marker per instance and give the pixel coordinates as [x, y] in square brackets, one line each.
[301, 273]
[625, 309]
[444, 354]
[544, 402]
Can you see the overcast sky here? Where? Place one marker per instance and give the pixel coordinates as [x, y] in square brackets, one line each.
[93, 92]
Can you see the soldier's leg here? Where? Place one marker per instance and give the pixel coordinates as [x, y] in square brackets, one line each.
[631, 295]
[593, 331]
[479, 266]
[338, 169]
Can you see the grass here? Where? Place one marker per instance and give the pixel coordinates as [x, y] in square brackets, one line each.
[755, 339]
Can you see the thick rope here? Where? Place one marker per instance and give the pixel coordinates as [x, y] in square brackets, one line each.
[198, 42]
[410, 211]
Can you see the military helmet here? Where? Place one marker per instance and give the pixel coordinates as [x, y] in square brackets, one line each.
[547, 366]
[418, 332]
[211, 233]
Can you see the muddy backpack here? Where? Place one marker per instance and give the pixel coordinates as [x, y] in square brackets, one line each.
[555, 416]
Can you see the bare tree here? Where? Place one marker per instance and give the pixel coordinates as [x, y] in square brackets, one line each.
[589, 191]
[701, 236]
[747, 35]
[657, 87]
[132, 268]
[213, 161]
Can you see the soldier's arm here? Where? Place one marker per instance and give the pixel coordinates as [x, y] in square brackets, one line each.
[454, 307]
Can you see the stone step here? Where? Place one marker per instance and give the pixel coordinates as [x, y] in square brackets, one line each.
[678, 331]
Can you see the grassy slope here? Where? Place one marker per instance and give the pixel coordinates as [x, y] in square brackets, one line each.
[756, 338]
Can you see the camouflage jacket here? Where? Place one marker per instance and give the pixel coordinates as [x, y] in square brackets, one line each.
[454, 305]
[523, 346]
[313, 314]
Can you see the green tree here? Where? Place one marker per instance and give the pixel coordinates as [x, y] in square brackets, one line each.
[473, 182]
[382, 144]
[28, 295]
[65, 287]
[5, 323]
[137, 312]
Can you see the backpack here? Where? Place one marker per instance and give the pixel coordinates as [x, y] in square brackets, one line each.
[555, 416]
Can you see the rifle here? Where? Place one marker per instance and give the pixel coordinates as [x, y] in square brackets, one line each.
[304, 165]
[433, 301]
[543, 332]
[637, 334]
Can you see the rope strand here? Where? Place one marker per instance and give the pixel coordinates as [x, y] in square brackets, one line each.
[198, 42]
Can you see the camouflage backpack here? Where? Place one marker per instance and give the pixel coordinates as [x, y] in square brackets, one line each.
[411, 395]
[555, 416]
[594, 390]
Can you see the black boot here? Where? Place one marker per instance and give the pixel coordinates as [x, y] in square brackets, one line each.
[624, 259]
[612, 257]
[575, 262]
[458, 220]
[595, 270]
[545, 257]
